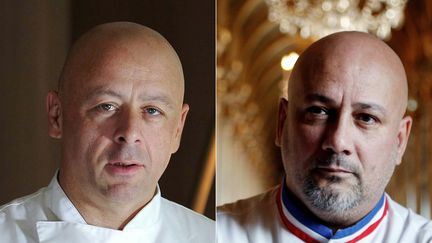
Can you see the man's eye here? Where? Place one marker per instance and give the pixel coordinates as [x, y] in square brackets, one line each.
[316, 110]
[316, 115]
[152, 111]
[367, 119]
[107, 107]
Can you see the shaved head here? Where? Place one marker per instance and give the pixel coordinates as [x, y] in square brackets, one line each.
[111, 41]
[352, 49]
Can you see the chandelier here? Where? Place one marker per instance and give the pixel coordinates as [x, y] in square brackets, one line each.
[318, 18]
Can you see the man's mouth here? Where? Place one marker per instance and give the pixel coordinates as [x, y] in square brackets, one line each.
[124, 167]
[122, 164]
[332, 169]
[333, 174]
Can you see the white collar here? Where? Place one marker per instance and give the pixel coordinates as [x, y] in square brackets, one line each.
[63, 208]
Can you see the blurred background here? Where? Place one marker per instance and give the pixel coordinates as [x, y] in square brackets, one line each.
[258, 42]
[35, 38]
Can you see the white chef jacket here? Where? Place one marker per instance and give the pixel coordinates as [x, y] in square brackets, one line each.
[273, 217]
[49, 216]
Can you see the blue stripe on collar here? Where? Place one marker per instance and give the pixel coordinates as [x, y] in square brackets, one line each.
[360, 224]
[314, 224]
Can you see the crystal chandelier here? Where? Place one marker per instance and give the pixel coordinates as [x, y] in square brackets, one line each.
[318, 18]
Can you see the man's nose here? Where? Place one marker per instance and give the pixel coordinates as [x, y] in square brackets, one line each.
[339, 136]
[128, 129]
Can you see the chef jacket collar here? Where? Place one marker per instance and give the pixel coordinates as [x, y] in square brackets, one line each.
[63, 208]
[305, 222]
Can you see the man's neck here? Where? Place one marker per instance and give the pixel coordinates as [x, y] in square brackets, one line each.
[100, 210]
[107, 217]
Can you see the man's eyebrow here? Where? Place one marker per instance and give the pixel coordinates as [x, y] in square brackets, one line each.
[370, 106]
[321, 98]
[157, 98]
[142, 97]
[100, 92]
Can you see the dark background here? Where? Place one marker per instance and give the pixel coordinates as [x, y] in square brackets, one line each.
[34, 41]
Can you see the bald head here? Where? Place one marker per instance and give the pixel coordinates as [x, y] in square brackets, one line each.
[353, 53]
[119, 41]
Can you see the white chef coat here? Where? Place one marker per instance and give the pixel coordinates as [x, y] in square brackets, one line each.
[49, 216]
[273, 217]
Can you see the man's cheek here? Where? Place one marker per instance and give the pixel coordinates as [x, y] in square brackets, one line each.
[309, 136]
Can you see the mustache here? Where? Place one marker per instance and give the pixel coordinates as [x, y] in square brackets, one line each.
[336, 160]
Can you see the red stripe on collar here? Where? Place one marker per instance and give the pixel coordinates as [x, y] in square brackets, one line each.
[372, 227]
[291, 227]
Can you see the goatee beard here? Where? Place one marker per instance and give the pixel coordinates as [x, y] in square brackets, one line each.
[329, 199]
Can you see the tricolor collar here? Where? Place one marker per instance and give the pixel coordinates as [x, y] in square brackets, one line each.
[309, 229]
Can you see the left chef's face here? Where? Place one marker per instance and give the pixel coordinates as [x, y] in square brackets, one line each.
[122, 119]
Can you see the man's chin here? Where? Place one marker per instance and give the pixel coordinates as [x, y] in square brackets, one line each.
[122, 192]
[343, 183]
[341, 189]
[331, 196]
[332, 202]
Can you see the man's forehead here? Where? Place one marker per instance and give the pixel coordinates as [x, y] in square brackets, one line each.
[121, 69]
[337, 76]
[334, 88]
[114, 56]
[349, 57]
[124, 93]
[122, 53]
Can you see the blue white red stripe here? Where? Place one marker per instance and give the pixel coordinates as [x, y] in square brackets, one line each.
[309, 229]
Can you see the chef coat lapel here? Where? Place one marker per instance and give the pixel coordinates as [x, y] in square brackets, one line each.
[71, 226]
[70, 232]
[60, 204]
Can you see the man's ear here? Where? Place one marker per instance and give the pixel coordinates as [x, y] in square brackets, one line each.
[54, 112]
[179, 128]
[403, 136]
[282, 115]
